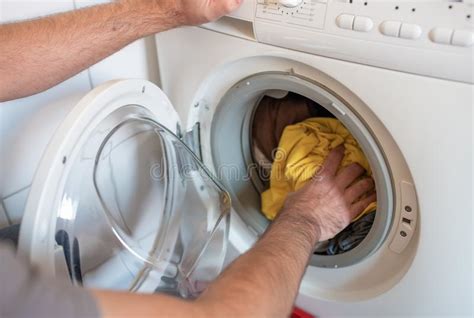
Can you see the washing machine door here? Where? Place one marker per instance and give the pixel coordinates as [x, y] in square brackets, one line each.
[120, 202]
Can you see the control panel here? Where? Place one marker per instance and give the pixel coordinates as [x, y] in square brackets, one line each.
[426, 37]
[307, 13]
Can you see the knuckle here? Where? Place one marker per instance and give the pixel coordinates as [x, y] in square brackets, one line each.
[368, 182]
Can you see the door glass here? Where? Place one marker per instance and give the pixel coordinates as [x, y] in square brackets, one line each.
[140, 212]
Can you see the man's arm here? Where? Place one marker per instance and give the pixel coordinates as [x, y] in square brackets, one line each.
[264, 282]
[38, 54]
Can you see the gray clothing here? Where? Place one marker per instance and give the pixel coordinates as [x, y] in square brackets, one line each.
[349, 238]
[25, 292]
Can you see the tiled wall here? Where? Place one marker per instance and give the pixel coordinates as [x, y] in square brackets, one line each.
[18, 160]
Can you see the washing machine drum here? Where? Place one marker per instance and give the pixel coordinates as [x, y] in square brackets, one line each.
[120, 202]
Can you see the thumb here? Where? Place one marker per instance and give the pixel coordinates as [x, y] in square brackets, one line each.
[235, 4]
[227, 6]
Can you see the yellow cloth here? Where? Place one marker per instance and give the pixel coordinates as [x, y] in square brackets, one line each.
[302, 151]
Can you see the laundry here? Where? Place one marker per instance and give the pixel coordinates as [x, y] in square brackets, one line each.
[302, 150]
[349, 238]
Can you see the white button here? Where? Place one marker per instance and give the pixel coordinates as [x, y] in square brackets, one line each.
[462, 38]
[345, 21]
[391, 28]
[441, 35]
[410, 31]
[363, 24]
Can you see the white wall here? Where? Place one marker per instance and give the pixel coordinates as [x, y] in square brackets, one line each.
[18, 159]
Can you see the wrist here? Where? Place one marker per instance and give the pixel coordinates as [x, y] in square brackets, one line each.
[152, 16]
[300, 224]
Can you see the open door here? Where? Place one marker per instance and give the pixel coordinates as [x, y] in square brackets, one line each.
[120, 202]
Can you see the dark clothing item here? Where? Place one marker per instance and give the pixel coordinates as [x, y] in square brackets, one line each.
[271, 118]
[273, 115]
[25, 292]
[349, 238]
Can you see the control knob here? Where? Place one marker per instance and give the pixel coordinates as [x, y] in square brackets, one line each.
[290, 3]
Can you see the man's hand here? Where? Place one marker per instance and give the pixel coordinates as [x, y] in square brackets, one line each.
[318, 211]
[331, 200]
[201, 11]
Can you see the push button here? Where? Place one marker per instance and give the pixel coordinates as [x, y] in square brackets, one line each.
[441, 35]
[391, 28]
[363, 24]
[345, 21]
[462, 38]
[410, 31]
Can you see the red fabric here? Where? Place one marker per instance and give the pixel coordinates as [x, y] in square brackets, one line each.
[300, 313]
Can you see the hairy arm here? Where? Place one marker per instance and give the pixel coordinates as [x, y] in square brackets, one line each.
[264, 282]
[38, 54]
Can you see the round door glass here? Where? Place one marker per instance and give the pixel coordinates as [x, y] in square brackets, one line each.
[140, 212]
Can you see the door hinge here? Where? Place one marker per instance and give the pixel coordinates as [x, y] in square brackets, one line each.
[192, 139]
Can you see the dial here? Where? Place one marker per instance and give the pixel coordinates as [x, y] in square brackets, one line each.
[290, 3]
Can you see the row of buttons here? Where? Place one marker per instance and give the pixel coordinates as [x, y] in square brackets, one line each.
[406, 30]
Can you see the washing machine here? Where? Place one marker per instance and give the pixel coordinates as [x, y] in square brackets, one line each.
[130, 157]
[404, 91]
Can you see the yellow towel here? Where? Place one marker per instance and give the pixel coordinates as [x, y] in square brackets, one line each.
[302, 151]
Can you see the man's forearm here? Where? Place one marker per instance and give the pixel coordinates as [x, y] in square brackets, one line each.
[38, 54]
[265, 280]
[262, 283]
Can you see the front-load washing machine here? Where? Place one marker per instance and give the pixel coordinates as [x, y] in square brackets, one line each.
[405, 94]
[396, 74]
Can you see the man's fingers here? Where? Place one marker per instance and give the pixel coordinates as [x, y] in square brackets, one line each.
[358, 189]
[333, 161]
[347, 175]
[211, 10]
[227, 6]
[235, 4]
[358, 207]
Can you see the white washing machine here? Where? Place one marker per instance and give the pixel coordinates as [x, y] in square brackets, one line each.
[398, 74]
